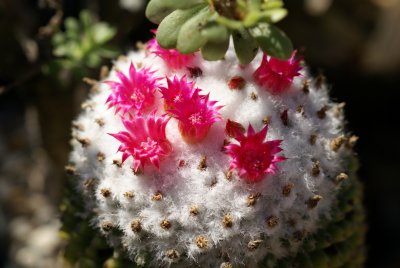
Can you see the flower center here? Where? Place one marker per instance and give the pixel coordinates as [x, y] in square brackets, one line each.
[137, 96]
[196, 119]
[256, 161]
[257, 165]
[149, 145]
[178, 98]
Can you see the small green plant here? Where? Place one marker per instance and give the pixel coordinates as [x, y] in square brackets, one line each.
[83, 44]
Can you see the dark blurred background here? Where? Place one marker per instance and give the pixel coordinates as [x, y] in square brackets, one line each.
[354, 43]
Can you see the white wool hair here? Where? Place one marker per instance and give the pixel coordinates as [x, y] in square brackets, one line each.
[208, 190]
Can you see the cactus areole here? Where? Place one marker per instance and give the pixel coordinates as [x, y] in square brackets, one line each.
[239, 162]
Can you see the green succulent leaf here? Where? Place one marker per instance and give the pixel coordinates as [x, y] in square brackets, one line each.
[93, 60]
[274, 15]
[269, 16]
[229, 23]
[58, 39]
[272, 41]
[102, 33]
[246, 47]
[85, 18]
[215, 51]
[215, 32]
[254, 4]
[157, 10]
[190, 38]
[252, 19]
[72, 27]
[272, 4]
[60, 50]
[168, 30]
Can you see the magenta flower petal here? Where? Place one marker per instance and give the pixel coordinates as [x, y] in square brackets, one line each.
[253, 157]
[177, 91]
[133, 93]
[277, 75]
[172, 57]
[196, 116]
[145, 140]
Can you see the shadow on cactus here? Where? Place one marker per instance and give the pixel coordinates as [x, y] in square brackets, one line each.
[208, 24]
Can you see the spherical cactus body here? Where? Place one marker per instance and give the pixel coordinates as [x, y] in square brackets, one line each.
[181, 162]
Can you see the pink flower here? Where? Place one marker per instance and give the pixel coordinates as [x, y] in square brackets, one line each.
[133, 92]
[172, 57]
[252, 156]
[195, 115]
[277, 75]
[144, 140]
[177, 91]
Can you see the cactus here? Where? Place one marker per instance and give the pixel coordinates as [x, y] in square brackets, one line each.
[242, 161]
[179, 161]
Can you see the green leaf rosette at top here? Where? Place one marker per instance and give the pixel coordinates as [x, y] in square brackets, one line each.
[207, 25]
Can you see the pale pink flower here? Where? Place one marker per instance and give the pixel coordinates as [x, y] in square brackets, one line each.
[253, 157]
[177, 91]
[133, 93]
[195, 115]
[172, 57]
[277, 75]
[145, 140]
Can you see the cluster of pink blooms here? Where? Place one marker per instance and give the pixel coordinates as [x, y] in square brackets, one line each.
[134, 95]
[195, 112]
[145, 136]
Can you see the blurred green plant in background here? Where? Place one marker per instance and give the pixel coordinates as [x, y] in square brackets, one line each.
[83, 44]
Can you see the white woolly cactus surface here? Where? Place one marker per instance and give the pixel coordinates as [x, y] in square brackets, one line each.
[194, 209]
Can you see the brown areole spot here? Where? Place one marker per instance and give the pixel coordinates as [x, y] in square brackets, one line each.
[287, 189]
[136, 226]
[105, 192]
[313, 201]
[227, 221]
[252, 199]
[272, 221]
[253, 96]
[254, 244]
[203, 163]
[107, 226]
[201, 241]
[100, 156]
[165, 224]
